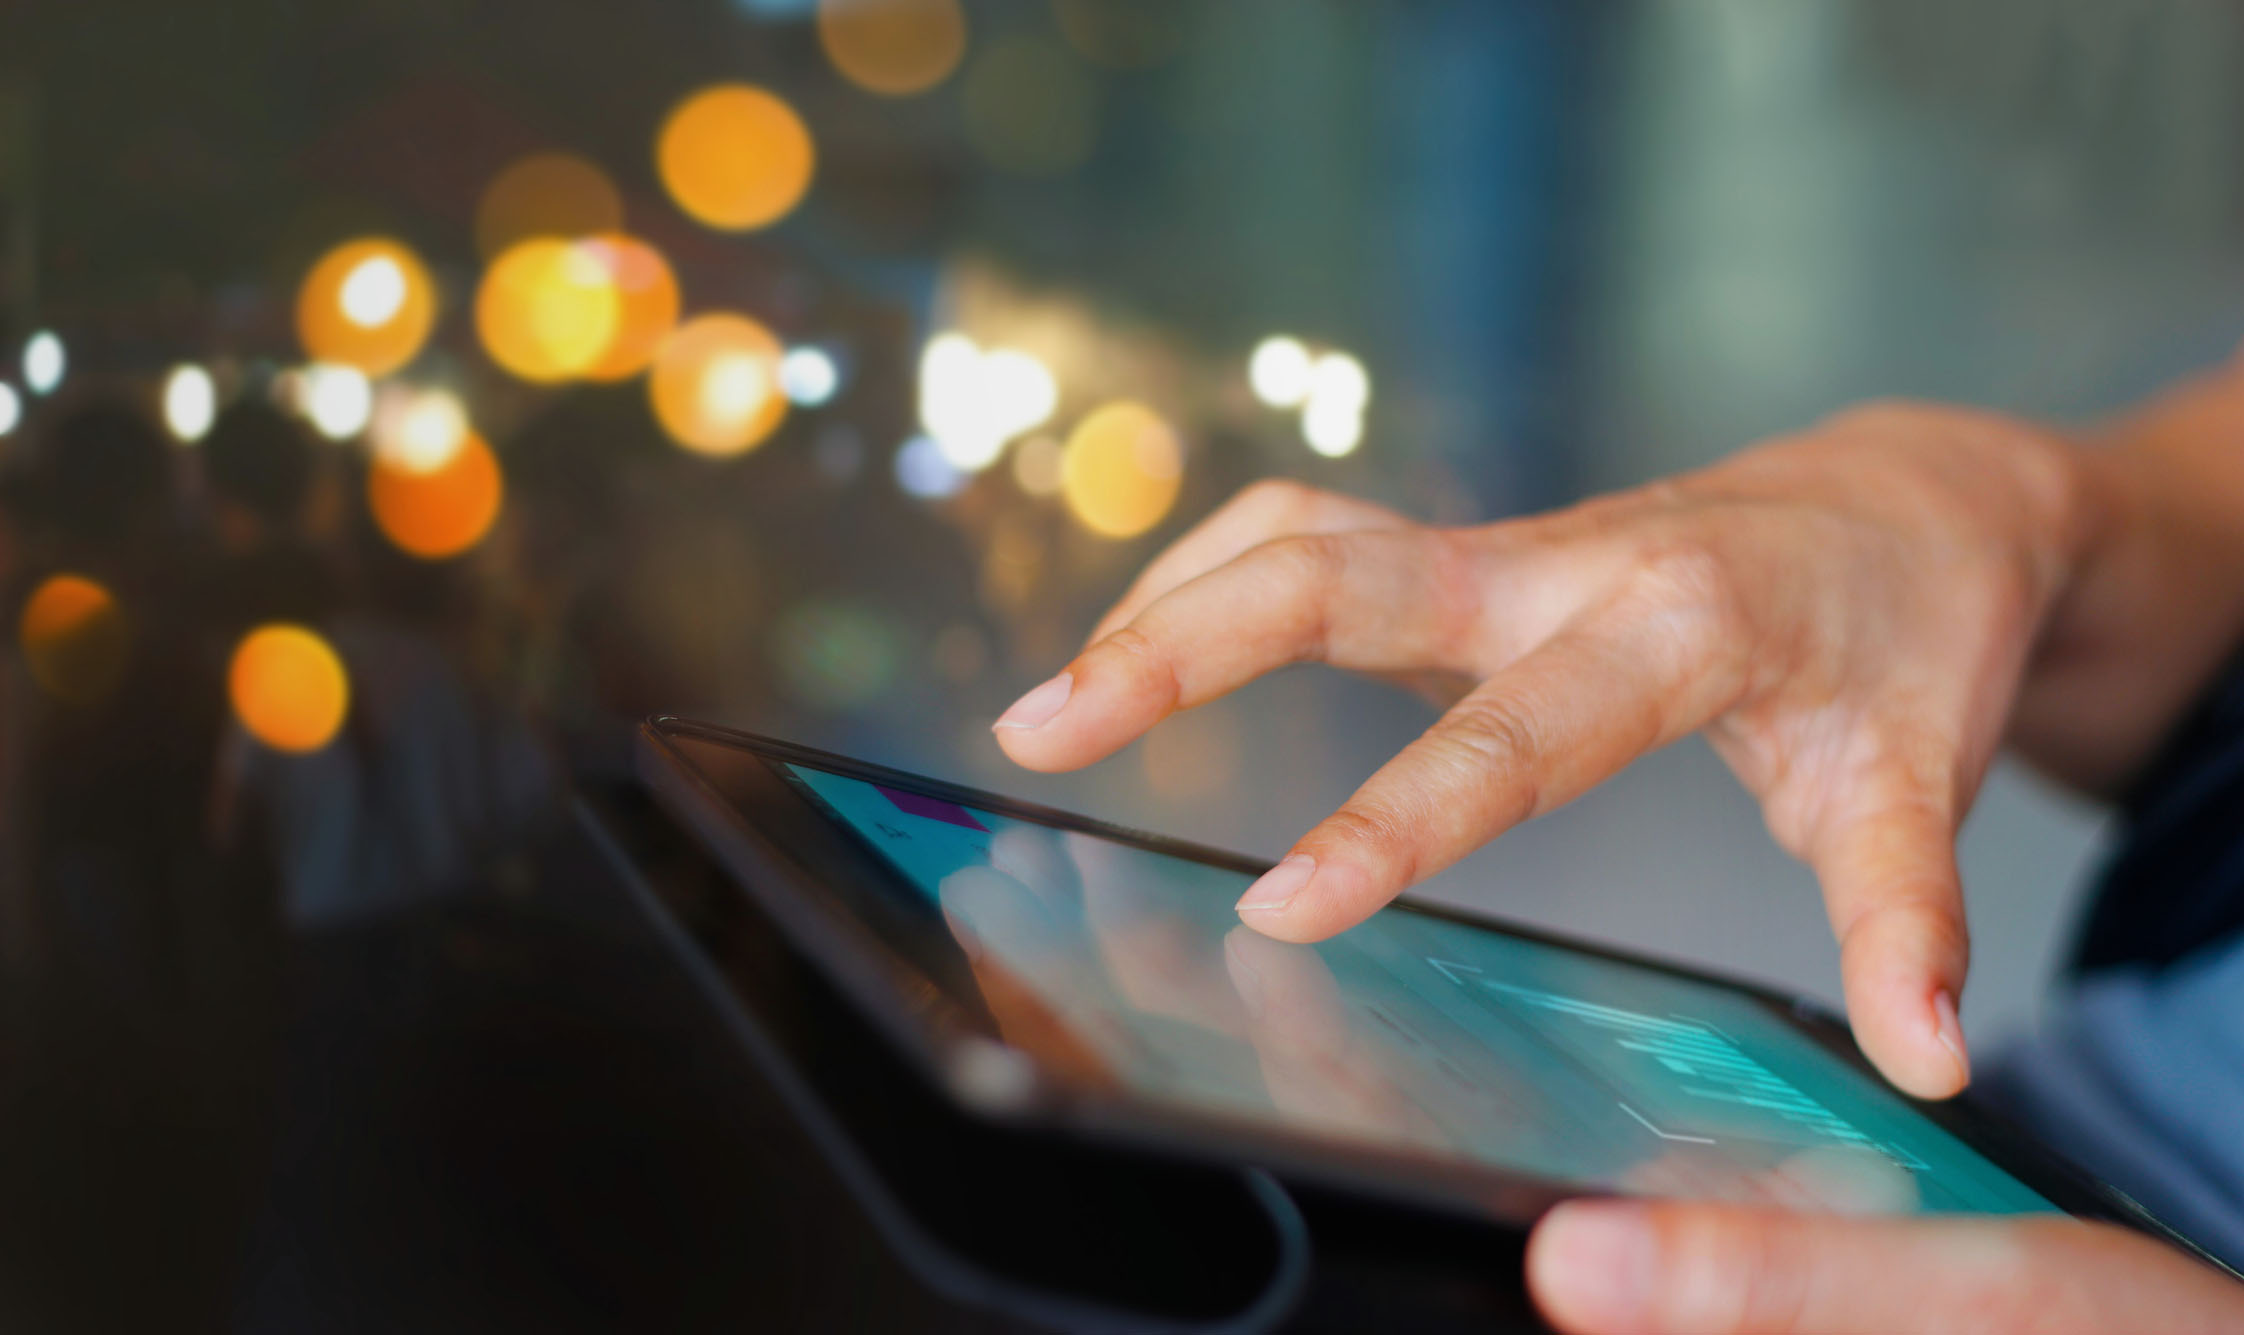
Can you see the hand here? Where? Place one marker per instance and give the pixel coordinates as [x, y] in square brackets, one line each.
[1645, 1269]
[1848, 614]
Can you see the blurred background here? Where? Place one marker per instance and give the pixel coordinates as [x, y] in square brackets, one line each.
[399, 399]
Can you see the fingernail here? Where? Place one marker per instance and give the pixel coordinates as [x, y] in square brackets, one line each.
[1595, 1262]
[1039, 706]
[1949, 1030]
[1279, 885]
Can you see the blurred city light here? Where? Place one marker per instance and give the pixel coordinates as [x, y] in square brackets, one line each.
[545, 195]
[1029, 106]
[367, 303]
[43, 362]
[547, 309]
[373, 292]
[1339, 380]
[809, 377]
[11, 408]
[74, 638]
[338, 400]
[1280, 371]
[735, 157]
[922, 471]
[715, 384]
[1122, 469]
[1332, 427]
[438, 513]
[646, 304]
[1037, 465]
[893, 47]
[974, 402]
[288, 688]
[418, 430]
[190, 402]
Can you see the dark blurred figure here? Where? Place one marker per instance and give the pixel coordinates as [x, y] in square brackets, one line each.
[261, 470]
[139, 965]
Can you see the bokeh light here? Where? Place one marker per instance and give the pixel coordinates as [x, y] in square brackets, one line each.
[715, 384]
[735, 156]
[418, 430]
[74, 638]
[44, 362]
[893, 47]
[922, 471]
[438, 513]
[1333, 428]
[646, 304]
[367, 303]
[547, 309]
[190, 402]
[338, 400]
[545, 195]
[1030, 106]
[1036, 465]
[1340, 380]
[809, 377]
[1122, 469]
[288, 688]
[974, 402]
[1280, 371]
[11, 408]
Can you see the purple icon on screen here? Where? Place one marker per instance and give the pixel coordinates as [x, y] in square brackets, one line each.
[933, 808]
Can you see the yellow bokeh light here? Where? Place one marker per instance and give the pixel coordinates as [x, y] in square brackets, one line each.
[1122, 469]
[368, 304]
[75, 641]
[437, 513]
[735, 157]
[647, 304]
[545, 195]
[548, 309]
[715, 384]
[893, 47]
[288, 688]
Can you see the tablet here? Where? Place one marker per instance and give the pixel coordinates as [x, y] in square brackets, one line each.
[1046, 969]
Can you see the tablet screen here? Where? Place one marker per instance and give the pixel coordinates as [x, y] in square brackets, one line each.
[1410, 1032]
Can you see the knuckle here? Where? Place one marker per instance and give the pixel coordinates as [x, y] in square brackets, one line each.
[1732, 1272]
[1487, 737]
[1145, 661]
[1378, 828]
[1688, 583]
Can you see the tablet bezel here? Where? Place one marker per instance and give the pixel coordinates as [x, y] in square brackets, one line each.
[805, 873]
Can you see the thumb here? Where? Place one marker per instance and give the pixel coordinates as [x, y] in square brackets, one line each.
[1598, 1266]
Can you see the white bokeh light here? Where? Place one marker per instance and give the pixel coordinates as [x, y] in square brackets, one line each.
[339, 400]
[1279, 371]
[1338, 380]
[419, 430]
[11, 409]
[373, 292]
[923, 471]
[190, 402]
[44, 362]
[809, 377]
[973, 403]
[1333, 428]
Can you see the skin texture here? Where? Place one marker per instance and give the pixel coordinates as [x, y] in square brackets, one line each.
[1858, 617]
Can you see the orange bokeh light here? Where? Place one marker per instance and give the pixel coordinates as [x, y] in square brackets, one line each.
[288, 688]
[438, 513]
[715, 384]
[367, 303]
[547, 309]
[735, 156]
[75, 641]
[545, 194]
[893, 47]
[647, 310]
